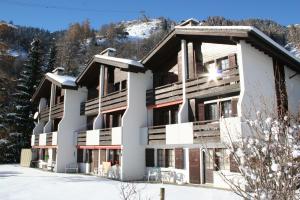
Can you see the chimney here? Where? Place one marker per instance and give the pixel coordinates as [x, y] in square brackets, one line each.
[109, 52]
[58, 71]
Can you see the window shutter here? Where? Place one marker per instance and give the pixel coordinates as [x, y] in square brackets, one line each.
[232, 60]
[167, 158]
[201, 111]
[233, 164]
[179, 158]
[149, 157]
[234, 107]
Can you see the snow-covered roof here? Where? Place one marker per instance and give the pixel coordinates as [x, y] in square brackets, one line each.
[225, 34]
[247, 28]
[63, 79]
[121, 60]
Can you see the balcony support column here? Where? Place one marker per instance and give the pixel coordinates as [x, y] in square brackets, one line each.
[48, 127]
[183, 111]
[99, 119]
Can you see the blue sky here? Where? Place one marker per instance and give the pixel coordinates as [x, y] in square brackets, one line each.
[58, 14]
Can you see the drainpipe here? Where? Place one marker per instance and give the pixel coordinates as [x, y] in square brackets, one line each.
[183, 111]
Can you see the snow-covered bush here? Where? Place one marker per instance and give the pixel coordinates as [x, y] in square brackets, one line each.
[268, 159]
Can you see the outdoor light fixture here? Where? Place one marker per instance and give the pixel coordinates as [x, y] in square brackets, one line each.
[213, 73]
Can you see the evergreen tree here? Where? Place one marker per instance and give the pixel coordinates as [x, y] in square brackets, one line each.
[51, 59]
[23, 115]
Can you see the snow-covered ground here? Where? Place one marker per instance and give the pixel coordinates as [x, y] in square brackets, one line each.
[30, 184]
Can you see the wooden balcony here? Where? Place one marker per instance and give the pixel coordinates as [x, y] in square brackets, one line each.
[105, 136]
[36, 140]
[108, 102]
[57, 112]
[164, 94]
[81, 138]
[50, 138]
[157, 135]
[206, 131]
[227, 83]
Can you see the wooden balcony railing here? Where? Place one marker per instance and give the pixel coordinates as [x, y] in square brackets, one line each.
[114, 100]
[105, 136]
[206, 131]
[164, 94]
[157, 135]
[227, 83]
[110, 101]
[36, 140]
[81, 138]
[49, 137]
[56, 112]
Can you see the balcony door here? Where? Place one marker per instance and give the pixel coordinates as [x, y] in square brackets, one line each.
[194, 162]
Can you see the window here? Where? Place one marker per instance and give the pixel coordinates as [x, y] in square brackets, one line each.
[226, 108]
[88, 156]
[209, 164]
[114, 156]
[149, 157]
[221, 160]
[80, 155]
[160, 158]
[223, 64]
[211, 111]
[124, 85]
[117, 86]
[170, 158]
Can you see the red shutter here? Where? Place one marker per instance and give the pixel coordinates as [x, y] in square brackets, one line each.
[201, 111]
[234, 112]
[234, 167]
[232, 60]
[179, 158]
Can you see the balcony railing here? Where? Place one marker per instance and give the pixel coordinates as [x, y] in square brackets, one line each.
[164, 94]
[36, 140]
[228, 82]
[56, 112]
[81, 138]
[157, 135]
[111, 101]
[105, 136]
[206, 131]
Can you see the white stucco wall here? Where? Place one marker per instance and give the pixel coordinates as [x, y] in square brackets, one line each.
[256, 80]
[54, 138]
[179, 133]
[134, 118]
[39, 127]
[42, 139]
[32, 140]
[116, 136]
[230, 129]
[71, 122]
[92, 137]
[293, 90]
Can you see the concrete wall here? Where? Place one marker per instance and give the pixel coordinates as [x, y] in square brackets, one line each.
[211, 51]
[32, 140]
[116, 136]
[256, 80]
[42, 139]
[293, 90]
[179, 133]
[134, 118]
[71, 121]
[92, 137]
[54, 138]
[230, 129]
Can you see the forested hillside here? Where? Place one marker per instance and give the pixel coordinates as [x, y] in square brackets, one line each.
[73, 47]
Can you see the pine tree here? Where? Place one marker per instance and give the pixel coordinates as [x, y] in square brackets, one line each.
[51, 60]
[22, 117]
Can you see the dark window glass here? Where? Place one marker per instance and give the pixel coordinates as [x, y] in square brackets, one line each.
[211, 111]
[226, 108]
[160, 158]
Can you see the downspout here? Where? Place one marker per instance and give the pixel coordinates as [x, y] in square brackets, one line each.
[183, 111]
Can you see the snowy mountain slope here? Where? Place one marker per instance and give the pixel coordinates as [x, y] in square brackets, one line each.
[138, 29]
[293, 49]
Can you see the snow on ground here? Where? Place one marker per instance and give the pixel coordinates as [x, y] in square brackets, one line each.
[140, 30]
[31, 184]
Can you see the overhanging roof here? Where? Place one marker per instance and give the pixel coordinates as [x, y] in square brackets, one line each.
[222, 35]
[121, 63]
[62, 81]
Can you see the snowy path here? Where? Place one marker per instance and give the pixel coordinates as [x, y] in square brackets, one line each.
[30, 184]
